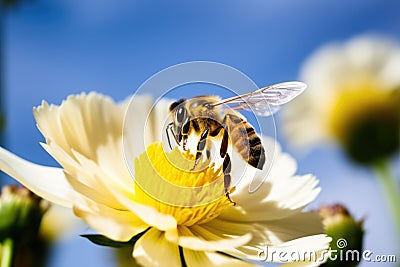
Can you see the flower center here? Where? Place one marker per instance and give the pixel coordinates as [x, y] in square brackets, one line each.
[365, 120]
[192, 197]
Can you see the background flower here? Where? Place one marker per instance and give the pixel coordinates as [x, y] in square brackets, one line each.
[352, 99]
[347, 83]
[21, 213]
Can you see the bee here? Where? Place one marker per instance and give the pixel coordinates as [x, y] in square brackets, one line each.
[205, 117]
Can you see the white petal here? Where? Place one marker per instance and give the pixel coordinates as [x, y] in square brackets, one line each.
[97, 182]
[144, 124]
[90, 181]
[282, 168]
[281, 194]
[269, 232]
[148, 214]
[115, 196]
[136, 115]
[119, 225]
[247, 179]
[200, 259]
[198, 238]
[59, 223]
[157, 121]
[289, 228]
[47, 182]
[82, 123]
[308, 249]
[89, 126]
[152, 249]
[389, 72]
[301, 264]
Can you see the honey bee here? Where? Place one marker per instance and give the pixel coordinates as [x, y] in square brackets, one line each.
[205, 117]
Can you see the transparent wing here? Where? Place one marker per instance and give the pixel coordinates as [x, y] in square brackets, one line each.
[265, 101]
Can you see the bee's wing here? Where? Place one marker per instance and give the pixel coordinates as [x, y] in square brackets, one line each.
[265, 101]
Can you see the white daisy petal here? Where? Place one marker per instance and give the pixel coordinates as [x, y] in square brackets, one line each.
[281, 230]
[157, 121]
[135, 119]
[94, 180]
[89, 125]
[301, 264]
[148, 214]
[59, 223]
[283, 167]
[296, 226]
[144, 124]
[269, 232]
[152, 249]
[200, 259]
[47, 182]
[307, 249]
[248, 179]
[118, 225]
[79, 123]
[198, 238]
[281, 193]
[90, 181]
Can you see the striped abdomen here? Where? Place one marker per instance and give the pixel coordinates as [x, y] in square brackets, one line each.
[245, 140]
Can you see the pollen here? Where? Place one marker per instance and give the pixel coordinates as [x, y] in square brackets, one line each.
[165, 181]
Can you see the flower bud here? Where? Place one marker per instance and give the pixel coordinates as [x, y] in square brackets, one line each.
[20, 213]
[347, 235]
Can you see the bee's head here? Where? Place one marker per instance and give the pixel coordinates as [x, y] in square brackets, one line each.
[179, 115]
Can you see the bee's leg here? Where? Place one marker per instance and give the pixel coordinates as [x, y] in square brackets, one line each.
[200, 147]
[167, 130]
[226, 166]
[224, 144]
[185, 133]
[208, 149]
[227, 176]
[216, 131]
[225, 138]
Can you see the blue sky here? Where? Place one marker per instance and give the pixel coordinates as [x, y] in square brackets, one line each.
[53, 48]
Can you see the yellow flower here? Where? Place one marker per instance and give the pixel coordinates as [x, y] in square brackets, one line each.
[84, 134]
[352, 98]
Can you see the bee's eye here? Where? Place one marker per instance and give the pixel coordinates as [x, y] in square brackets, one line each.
[180, 114]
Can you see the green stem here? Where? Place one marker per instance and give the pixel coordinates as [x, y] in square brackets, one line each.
[391, 188]
[7, 253]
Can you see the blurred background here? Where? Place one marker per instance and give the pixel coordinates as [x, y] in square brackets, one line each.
[54, 48]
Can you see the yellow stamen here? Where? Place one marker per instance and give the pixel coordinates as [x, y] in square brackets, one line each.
[191, 197]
